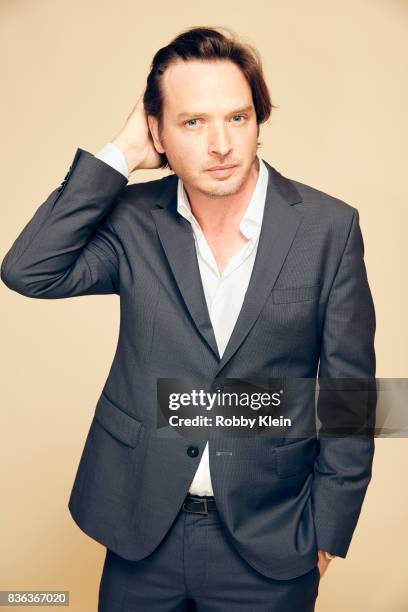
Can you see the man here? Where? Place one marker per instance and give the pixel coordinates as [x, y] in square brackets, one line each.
[227, 270]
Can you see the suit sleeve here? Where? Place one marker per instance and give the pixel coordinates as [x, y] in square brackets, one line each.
[343, 467]
[70, 247]
[114, 156]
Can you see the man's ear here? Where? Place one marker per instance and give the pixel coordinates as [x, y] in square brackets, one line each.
[154, 130]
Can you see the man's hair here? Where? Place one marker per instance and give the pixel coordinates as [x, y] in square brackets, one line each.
[202, 43]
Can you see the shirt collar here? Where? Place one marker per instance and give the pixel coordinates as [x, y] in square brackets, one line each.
[251, 221]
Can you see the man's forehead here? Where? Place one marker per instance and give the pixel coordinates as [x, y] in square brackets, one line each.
[197, 87]
[193, 74]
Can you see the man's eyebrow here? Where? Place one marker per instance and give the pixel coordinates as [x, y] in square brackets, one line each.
[245, 109]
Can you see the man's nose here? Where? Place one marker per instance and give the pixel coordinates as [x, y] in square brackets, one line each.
[220, 142]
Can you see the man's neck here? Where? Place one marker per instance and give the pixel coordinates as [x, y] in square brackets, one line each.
[221, 213]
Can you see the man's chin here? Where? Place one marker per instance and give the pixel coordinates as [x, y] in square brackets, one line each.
[221, 188]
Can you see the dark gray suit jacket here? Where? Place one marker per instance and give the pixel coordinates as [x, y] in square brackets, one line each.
[308, 306]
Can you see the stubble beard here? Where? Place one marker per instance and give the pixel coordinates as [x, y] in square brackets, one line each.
[217, 188]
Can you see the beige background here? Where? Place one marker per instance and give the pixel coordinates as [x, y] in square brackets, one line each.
[70, 73]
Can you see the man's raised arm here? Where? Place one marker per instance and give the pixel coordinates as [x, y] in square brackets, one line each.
[70, 247]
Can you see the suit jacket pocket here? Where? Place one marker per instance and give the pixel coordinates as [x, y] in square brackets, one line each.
[301, 293]
[296, 457]
[118, 423]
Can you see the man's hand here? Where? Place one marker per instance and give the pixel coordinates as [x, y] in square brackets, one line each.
[136, 142]
[323, 562]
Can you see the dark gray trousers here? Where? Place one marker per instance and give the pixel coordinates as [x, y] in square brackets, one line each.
[196, 568]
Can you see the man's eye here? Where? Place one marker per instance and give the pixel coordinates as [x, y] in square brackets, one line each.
[194, 122]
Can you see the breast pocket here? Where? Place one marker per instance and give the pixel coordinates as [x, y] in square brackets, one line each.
[299, 293]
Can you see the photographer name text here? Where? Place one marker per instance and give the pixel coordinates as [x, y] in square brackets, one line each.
[234, 421]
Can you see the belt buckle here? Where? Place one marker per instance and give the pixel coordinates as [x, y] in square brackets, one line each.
[198, 511]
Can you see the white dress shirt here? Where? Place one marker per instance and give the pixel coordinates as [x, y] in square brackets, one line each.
[224, 293]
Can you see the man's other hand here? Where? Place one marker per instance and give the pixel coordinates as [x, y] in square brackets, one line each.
[323, 562]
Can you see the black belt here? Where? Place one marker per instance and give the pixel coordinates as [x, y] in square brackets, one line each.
[198, 504]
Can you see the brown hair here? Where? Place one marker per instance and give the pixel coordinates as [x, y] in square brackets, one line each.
[207, 44]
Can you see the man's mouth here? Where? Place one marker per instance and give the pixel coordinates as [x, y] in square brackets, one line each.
[222, 171]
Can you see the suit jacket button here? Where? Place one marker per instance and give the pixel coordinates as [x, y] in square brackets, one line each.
[192, 451]
[216, 386]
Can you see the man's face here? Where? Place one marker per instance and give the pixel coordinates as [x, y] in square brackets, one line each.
[209, 120]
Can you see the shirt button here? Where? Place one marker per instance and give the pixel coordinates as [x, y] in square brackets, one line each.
[192, 451]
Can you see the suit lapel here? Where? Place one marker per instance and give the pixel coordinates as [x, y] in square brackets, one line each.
[177, 238]
[279, 226]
